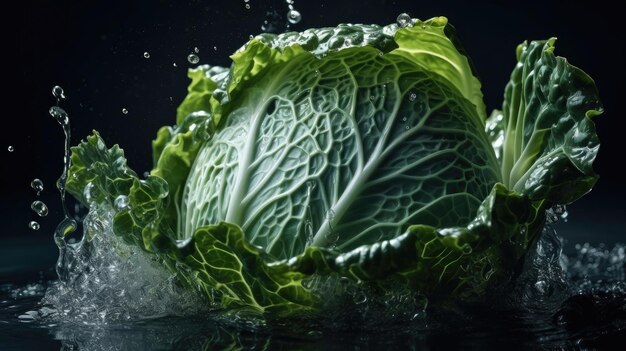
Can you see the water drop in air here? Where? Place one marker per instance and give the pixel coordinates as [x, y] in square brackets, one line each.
[403, 20]
[37, 185]
[174, 64]
[215, 48]
[193, 59]
[10, 148]
[124, 111]
[59, 114]
[247, 6]
[40, 208]
[33, 225]
[412, 96]
[58, 93]
[294, 16]
[196, 50]
[146, 55]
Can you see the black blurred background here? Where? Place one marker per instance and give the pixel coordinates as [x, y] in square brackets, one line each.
[95, 51]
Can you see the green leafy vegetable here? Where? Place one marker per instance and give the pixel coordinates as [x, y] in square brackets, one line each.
[357, 151]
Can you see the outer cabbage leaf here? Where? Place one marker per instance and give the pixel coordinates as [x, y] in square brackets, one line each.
[175, 148]
[550, 141]
[460, 262]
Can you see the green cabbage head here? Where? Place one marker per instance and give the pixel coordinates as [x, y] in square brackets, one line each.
[358, 151]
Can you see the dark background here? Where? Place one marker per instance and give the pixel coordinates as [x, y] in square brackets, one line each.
[94, 50]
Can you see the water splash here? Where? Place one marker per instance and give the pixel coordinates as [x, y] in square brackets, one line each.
[68, 224]
[111, 281]
[542, 284]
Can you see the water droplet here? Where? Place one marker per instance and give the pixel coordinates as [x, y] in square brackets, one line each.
[196, 50]
[174, 64]
[403, 20]
[293, 16]
[124, 111]
[412, 96]
[10, 148]
[37, 185]
[404, 119]
[58, 93]
[59, 114]
[193, 59]
[121, 203]
[33, 225]
[40, 208]
[88, 193]
[251, 36]
[146, 55]
[215, 48]
[330, 215]
[247, 6]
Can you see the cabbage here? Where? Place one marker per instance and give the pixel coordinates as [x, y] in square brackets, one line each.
[359, 151]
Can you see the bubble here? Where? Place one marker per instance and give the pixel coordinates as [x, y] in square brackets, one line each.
[412, 96]
[124, 111]
[403, 20]
[193, 59]
[293, 16]
[33, 225]
[10, 148]
[37, 185]
[40, 208]
[146, 55]
[58, 93]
